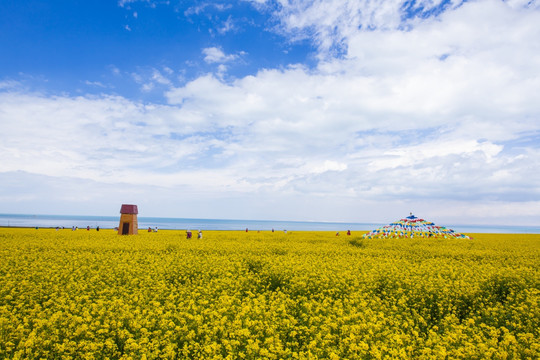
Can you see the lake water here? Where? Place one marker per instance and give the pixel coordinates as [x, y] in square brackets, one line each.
[109, 222]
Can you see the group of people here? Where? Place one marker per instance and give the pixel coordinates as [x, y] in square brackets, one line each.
[73, 228]
[189, 234]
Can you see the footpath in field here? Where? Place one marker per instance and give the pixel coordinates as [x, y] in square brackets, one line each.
[268, 295]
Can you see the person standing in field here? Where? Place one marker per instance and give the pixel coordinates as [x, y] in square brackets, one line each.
[199, 236]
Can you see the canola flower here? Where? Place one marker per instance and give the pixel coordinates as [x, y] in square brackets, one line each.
[236, 295]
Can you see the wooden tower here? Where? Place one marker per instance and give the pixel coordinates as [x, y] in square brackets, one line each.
[128, 220]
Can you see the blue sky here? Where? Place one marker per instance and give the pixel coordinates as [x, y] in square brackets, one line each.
[86, 47]
[289, 110]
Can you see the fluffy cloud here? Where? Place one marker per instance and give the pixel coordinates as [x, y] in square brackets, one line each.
[436, 113]
[331, 23]
[216, 55]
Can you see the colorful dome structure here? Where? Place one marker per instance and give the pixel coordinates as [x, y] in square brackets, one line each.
[411, 227]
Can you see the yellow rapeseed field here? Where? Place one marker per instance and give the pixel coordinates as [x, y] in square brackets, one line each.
[236, 295]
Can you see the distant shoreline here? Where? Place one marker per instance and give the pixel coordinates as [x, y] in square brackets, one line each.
[243, 230]
[111, 222]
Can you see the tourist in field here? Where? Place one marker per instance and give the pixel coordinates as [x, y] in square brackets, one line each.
[199, 236]
[188, 234]
[348, 232]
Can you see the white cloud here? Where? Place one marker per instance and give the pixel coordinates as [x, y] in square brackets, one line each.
[441, 148]
[216, 55]
[159, 78]
[114, 70]
[227, 26]
[147, 87]
[9, 84]
[331, 22]
[151, 3]
[326, 166]
[94, 83]
[123, 3]
[152, 79]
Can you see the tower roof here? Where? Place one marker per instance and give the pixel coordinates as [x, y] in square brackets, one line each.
[128, 209]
